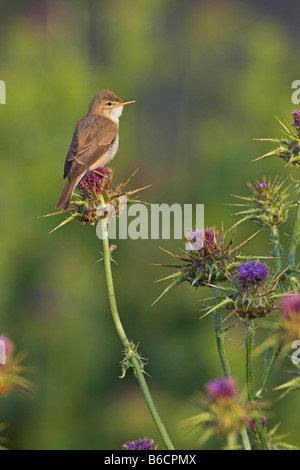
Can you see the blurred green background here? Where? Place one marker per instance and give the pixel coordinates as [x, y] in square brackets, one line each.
[207, 77]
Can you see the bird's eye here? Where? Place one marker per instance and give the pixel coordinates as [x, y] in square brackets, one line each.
[108, 103]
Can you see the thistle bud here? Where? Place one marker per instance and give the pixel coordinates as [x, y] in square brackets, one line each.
[140, 444]
[268, 205]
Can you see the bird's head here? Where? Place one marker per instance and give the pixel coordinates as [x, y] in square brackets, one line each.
[107, 104]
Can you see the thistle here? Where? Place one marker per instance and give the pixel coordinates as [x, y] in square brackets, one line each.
[95, 190]
[268, 205]
[140, 444]
[11, 372]
[206, 261]
[296, 116]
[252, 292]
[288, 148]
[221, 389]
[251, 275]
[222, 412]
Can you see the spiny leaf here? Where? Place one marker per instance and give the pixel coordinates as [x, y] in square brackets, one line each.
[169, 277]
[174, 284]
[63, 223]
[226, 301]
[269, 154]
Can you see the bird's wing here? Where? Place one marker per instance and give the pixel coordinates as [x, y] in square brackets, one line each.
[93, 136]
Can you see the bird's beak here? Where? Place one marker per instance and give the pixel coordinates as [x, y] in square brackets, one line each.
[127, 102]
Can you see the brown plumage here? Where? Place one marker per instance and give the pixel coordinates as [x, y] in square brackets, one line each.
[94, 143]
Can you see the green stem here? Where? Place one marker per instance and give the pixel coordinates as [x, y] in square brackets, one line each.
[294, 239]
[220, 334]
[276, 245]
[249, 362]
[135, 363]
[249, 381]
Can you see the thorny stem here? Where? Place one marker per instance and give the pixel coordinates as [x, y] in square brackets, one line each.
[220, 339]
[135, 363]
[249, 381]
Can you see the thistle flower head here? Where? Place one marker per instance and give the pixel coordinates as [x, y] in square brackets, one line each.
[95, 190]
[207, 240]
[94, 182]
[140, 444]
[221, 389]
[222, 411]
[206, 261]
[252, 292]
[251, 274]
[195, 239]
[268, 204]
[206, 256]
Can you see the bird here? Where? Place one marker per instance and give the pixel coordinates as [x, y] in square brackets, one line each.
[94, 143]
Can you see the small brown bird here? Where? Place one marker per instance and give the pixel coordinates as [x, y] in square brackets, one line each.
[95, 141]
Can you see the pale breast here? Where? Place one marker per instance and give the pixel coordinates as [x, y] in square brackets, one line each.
[108, 156]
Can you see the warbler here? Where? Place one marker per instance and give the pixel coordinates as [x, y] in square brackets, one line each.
[95, 141]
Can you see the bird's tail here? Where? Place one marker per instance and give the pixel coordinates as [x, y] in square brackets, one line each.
[66, 194]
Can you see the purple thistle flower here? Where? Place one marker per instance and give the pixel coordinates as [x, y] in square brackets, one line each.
[290, 304]
[251, 274]
[195, 239]
[8, 345]
[140, 444]
[211, 237]
[92, 181]
[262, 185]
[208, 237]
[193, 235]
[296, 116]
[221, 389]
